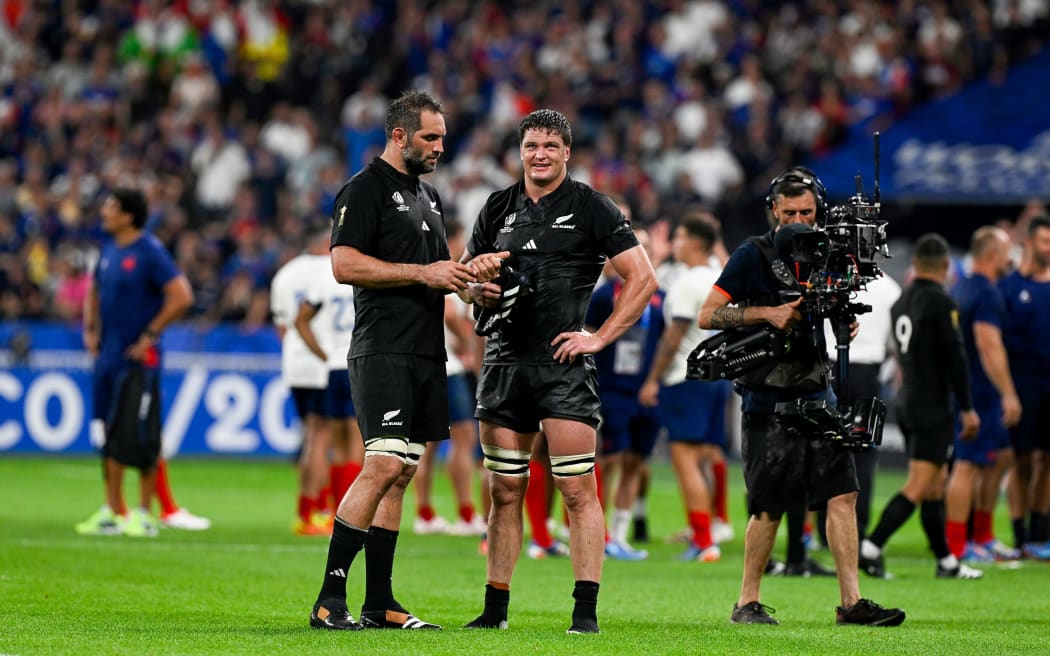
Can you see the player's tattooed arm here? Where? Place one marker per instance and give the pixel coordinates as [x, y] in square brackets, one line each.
[727, 317]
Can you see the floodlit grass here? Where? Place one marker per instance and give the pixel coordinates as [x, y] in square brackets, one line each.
[246, 586]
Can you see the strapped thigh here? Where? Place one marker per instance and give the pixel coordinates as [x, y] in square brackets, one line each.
[506, 462]
[575, 465]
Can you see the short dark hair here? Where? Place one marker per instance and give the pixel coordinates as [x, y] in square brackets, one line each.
[1038, 221]
[702, 226]
[931, 252]
[133, 202]
[549, 121]
[404, 112]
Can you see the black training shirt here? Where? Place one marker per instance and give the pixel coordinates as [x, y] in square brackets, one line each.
[395, 218]
[930, 349]
[561, 243]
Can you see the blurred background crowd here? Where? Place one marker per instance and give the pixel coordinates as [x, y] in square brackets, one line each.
[242, 118]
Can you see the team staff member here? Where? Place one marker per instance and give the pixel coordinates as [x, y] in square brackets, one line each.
[981, 462]
[537, 369]
[779, 468]
[305, 375]
[136, 293]
[1027, 295]
[934, 368]
[388, 241]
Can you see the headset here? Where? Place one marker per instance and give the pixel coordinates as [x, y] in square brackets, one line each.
[806, 177]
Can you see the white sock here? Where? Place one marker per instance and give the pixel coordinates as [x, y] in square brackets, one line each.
[640, 507]
[869, 550]
[620, 523]
[949, 562]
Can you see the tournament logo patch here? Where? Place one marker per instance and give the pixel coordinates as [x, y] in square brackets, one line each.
[400, 200]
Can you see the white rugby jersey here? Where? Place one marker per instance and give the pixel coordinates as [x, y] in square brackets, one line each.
[299, 366]
[333, 324]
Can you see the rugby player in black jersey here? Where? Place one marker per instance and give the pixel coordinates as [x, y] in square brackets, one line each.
[388, 241]
[537, 369]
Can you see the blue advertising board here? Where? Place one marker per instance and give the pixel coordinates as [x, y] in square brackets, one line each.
[221, 390]
[987, 144]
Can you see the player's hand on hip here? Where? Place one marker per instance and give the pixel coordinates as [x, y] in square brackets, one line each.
[486, 266]
[576, 343]
[971, 424]
[1011, 410]
[447, 275]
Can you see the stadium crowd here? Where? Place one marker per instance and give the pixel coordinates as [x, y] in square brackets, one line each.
[242, 118]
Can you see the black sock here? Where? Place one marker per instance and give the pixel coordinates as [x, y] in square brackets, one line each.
[1038, 527]
[496, 602]
[346, 542]
[379, 569]
[1020, 534]
[896, 512]
[586, 595]
[796, 549]
[932, 514]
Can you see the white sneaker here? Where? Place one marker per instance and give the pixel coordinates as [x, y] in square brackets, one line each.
[436, 526]
[476, 526]
[185, 520]
[721, 532]
[556, 550]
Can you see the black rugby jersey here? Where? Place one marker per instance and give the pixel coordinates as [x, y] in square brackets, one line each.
[930, 349]
[561, 243]
[394, 217]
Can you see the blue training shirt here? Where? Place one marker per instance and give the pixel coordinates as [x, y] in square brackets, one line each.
[1027, 327]
[979, 301]
[623, 365]
[130, 281]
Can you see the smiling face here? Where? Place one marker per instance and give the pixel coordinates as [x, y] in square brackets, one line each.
[423, 147]
[544, 156]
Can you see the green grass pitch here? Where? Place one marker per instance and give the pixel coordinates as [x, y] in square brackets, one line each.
[246, 586]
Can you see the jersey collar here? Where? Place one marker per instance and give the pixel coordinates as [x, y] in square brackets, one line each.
[405, 179]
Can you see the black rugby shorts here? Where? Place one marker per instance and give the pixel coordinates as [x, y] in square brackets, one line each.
[929, 432]
[519, 396]
[400, 395]
[133, 421]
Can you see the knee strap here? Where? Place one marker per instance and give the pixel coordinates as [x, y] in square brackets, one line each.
[396, 447]
[506, 462]
[569, 466]
[415, 452]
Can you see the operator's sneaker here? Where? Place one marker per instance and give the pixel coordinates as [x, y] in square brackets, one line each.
[721, 532]
[711, 554]
[963, 571]
[873, 567]
[807, 568]
[620, 551]
[583, 626]
[753, 613]
[334, 616]
[868, 613]
[476, 526]
[393, 619]
[774, 567]
[141, 524]
[435, 526]
[185, 520]
[1000, 551]
[103, 522]
[975, 553]
[556, 550]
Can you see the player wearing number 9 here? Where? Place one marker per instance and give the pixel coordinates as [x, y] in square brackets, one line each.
[935, 378]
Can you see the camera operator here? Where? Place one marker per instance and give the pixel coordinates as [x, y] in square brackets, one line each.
[780, 468]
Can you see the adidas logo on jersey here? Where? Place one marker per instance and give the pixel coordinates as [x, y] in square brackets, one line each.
[530, 245]
[426, 228]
